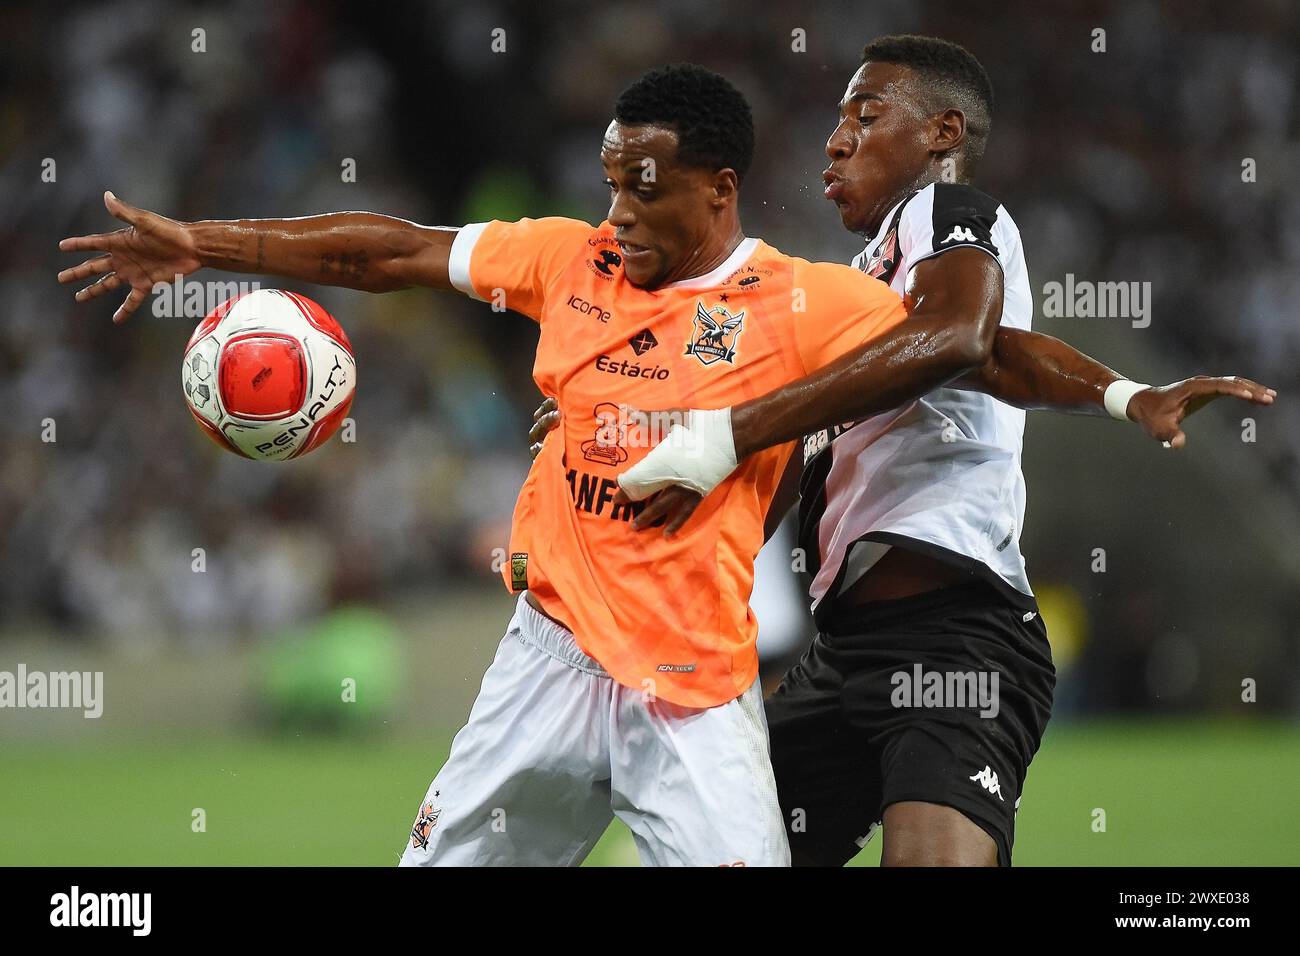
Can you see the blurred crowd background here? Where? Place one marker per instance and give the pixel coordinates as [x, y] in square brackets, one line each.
[1117, 165]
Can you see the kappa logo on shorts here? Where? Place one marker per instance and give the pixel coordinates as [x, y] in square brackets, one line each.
[424, 824]
[987, 779]
[715, 334]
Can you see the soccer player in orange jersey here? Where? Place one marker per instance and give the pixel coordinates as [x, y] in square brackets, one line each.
[626, 683]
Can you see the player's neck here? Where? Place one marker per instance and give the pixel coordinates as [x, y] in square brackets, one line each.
[931, 175]
[708, 256]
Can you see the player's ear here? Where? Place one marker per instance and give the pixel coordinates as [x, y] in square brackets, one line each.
[725, 186]
[947, 130]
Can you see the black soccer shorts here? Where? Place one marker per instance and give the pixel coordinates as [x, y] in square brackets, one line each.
[862, 722]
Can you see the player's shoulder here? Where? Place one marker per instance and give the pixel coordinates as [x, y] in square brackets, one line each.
[943, 216]
[835, 279]
[553, 228]
[553, 243]
[942, 202]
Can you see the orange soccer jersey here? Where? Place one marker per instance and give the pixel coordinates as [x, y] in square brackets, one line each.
[668, 615]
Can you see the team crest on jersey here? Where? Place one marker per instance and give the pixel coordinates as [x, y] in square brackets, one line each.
[424, 824]
[882, 262]
[715, 334]
[605, 258]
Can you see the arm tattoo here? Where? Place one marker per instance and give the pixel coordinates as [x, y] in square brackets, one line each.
[352, 265]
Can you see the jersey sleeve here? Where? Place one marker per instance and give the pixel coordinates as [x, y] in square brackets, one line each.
[943, 217]
[515, 261]
[845, 309]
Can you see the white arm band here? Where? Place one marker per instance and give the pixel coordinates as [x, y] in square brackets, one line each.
[1117, 397]
[697, 455]
[462, 248]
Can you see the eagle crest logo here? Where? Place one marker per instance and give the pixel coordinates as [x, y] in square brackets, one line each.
[715, 334]
[424, 824]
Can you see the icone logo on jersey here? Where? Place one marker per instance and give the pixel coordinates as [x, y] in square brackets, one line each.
[587, 308]
[715, 334]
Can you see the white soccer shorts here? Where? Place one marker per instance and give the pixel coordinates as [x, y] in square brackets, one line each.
[555, 748]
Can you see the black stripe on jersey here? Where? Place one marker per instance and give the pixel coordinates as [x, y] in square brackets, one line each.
[962, 216]
[812, 506]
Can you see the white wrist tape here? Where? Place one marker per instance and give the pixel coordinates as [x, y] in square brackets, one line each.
[695, 455]
[1118, 394]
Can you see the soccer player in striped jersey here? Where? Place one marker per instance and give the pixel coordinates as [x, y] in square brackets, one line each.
[926, 692]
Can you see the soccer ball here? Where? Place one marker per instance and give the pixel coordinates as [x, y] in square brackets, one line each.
[269, 375]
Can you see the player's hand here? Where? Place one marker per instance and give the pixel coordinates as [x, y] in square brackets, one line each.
[151, 249]
[545, 419]
[1161, 410]
[695, 451]
[672, 506]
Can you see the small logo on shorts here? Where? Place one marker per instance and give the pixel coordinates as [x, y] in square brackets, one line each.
[987, 779]
[519, 571]
[424, 824]
[676, 668]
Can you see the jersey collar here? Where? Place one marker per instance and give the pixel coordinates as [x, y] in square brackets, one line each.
[734, 261]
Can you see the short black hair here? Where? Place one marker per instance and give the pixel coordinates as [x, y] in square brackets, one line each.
[954, 76]
[712, 119]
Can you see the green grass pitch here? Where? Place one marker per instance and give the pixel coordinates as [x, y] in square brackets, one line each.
[1173, 794]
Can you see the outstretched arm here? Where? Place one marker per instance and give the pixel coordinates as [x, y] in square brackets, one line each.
[955, 306]
[951, 337]
[357, 250]
[1026, 369]
[1034, 371]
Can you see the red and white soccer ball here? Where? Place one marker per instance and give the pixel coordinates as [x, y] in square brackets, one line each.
[269, 375]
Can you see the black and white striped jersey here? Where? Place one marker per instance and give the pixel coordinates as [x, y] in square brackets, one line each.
[940, 474]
